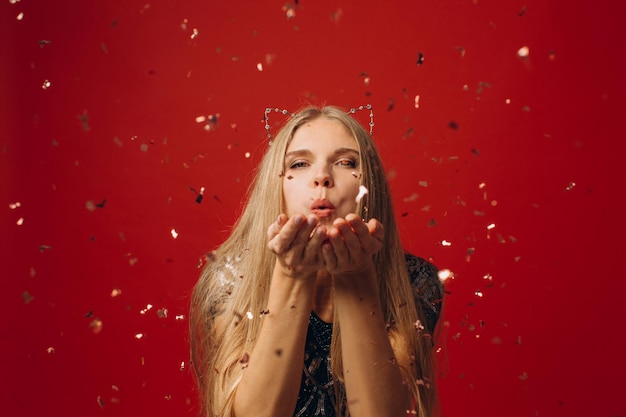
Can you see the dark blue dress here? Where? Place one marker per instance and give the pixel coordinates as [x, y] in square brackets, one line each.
[317, 391]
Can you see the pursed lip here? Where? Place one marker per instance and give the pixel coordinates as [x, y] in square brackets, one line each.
[322, 208]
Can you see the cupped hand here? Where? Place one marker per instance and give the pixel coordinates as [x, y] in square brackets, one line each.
[352, 243]
[297, 243]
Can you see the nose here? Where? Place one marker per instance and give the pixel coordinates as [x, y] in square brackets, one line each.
[323, 178]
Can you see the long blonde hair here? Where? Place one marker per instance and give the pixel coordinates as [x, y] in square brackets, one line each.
[234, 285]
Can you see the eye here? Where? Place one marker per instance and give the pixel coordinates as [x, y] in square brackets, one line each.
[298, 164]
[347, 163]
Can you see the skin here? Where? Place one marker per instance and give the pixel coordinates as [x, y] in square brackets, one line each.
[323, 262]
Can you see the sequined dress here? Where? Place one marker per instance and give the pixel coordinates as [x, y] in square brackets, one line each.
[317, 391]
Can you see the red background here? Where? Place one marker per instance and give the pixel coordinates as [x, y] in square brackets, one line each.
[107, 159]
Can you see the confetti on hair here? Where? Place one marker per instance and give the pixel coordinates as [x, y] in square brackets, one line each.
[362, 192]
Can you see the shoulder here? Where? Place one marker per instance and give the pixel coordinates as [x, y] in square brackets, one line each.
[427, 286]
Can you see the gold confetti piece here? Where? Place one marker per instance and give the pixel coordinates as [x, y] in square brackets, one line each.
[139, 336]
[50, 350]
[194, 33]
[174, 233]
[478, 293]
[20, 221]
[182, 366]
[417, 101]
[90, 205]
[20, 16]
[116, 292]
[249, 315]
[96, 325]
[145, 310]
[259, 67]
[46, 84]
[180, 317]
[15, 205]
[162, 313]
[570, 186]
[488, 277]
[446, 243]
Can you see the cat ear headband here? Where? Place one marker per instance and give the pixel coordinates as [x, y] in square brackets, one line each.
[353, 110]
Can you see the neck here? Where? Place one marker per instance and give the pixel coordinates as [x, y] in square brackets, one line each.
[324, 300]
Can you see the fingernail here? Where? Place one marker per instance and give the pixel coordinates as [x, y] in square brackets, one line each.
[297, 219]
[311, 220]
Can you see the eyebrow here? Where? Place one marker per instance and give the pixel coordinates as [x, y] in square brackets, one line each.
[338, 151]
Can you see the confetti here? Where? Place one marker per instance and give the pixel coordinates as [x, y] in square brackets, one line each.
[27, 297]
[444, 275]
[478, 293]
[362, 192]
[523, 52]
[50, 350]
[145, 310]
[244, 360]
[116, 292]
[417, 101]
[20, 16]
[46, 84]
[194, 33]
[420, 58]
[20, 221]
[96, 325]
[259, 67]
[162, 313]
[139, 336]
[570, 186]
[174, 233]
[446, 243]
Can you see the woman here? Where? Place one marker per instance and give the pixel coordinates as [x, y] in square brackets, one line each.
[311, 307]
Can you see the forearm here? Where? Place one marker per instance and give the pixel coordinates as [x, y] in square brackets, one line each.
[271, 379]
[374, 385]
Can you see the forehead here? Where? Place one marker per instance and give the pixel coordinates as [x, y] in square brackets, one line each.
[322, 133]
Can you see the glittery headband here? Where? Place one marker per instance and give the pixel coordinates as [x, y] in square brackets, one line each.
[353, 110]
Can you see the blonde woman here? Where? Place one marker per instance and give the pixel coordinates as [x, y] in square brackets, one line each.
[311, 307]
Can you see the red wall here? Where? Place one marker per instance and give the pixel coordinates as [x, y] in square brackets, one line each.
[105, 160]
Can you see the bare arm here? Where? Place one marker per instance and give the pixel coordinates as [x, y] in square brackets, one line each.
[373, 380]
[271, 381]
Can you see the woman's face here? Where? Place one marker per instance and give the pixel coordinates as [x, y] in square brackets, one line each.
[321, 172]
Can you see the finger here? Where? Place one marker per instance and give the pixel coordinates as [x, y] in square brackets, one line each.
[328, 254]
[350, 238]
[305, 228]
[282, 241]
[275, 227]
[337, 243]
[360, 228]
[376, 229]
[312, 250]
